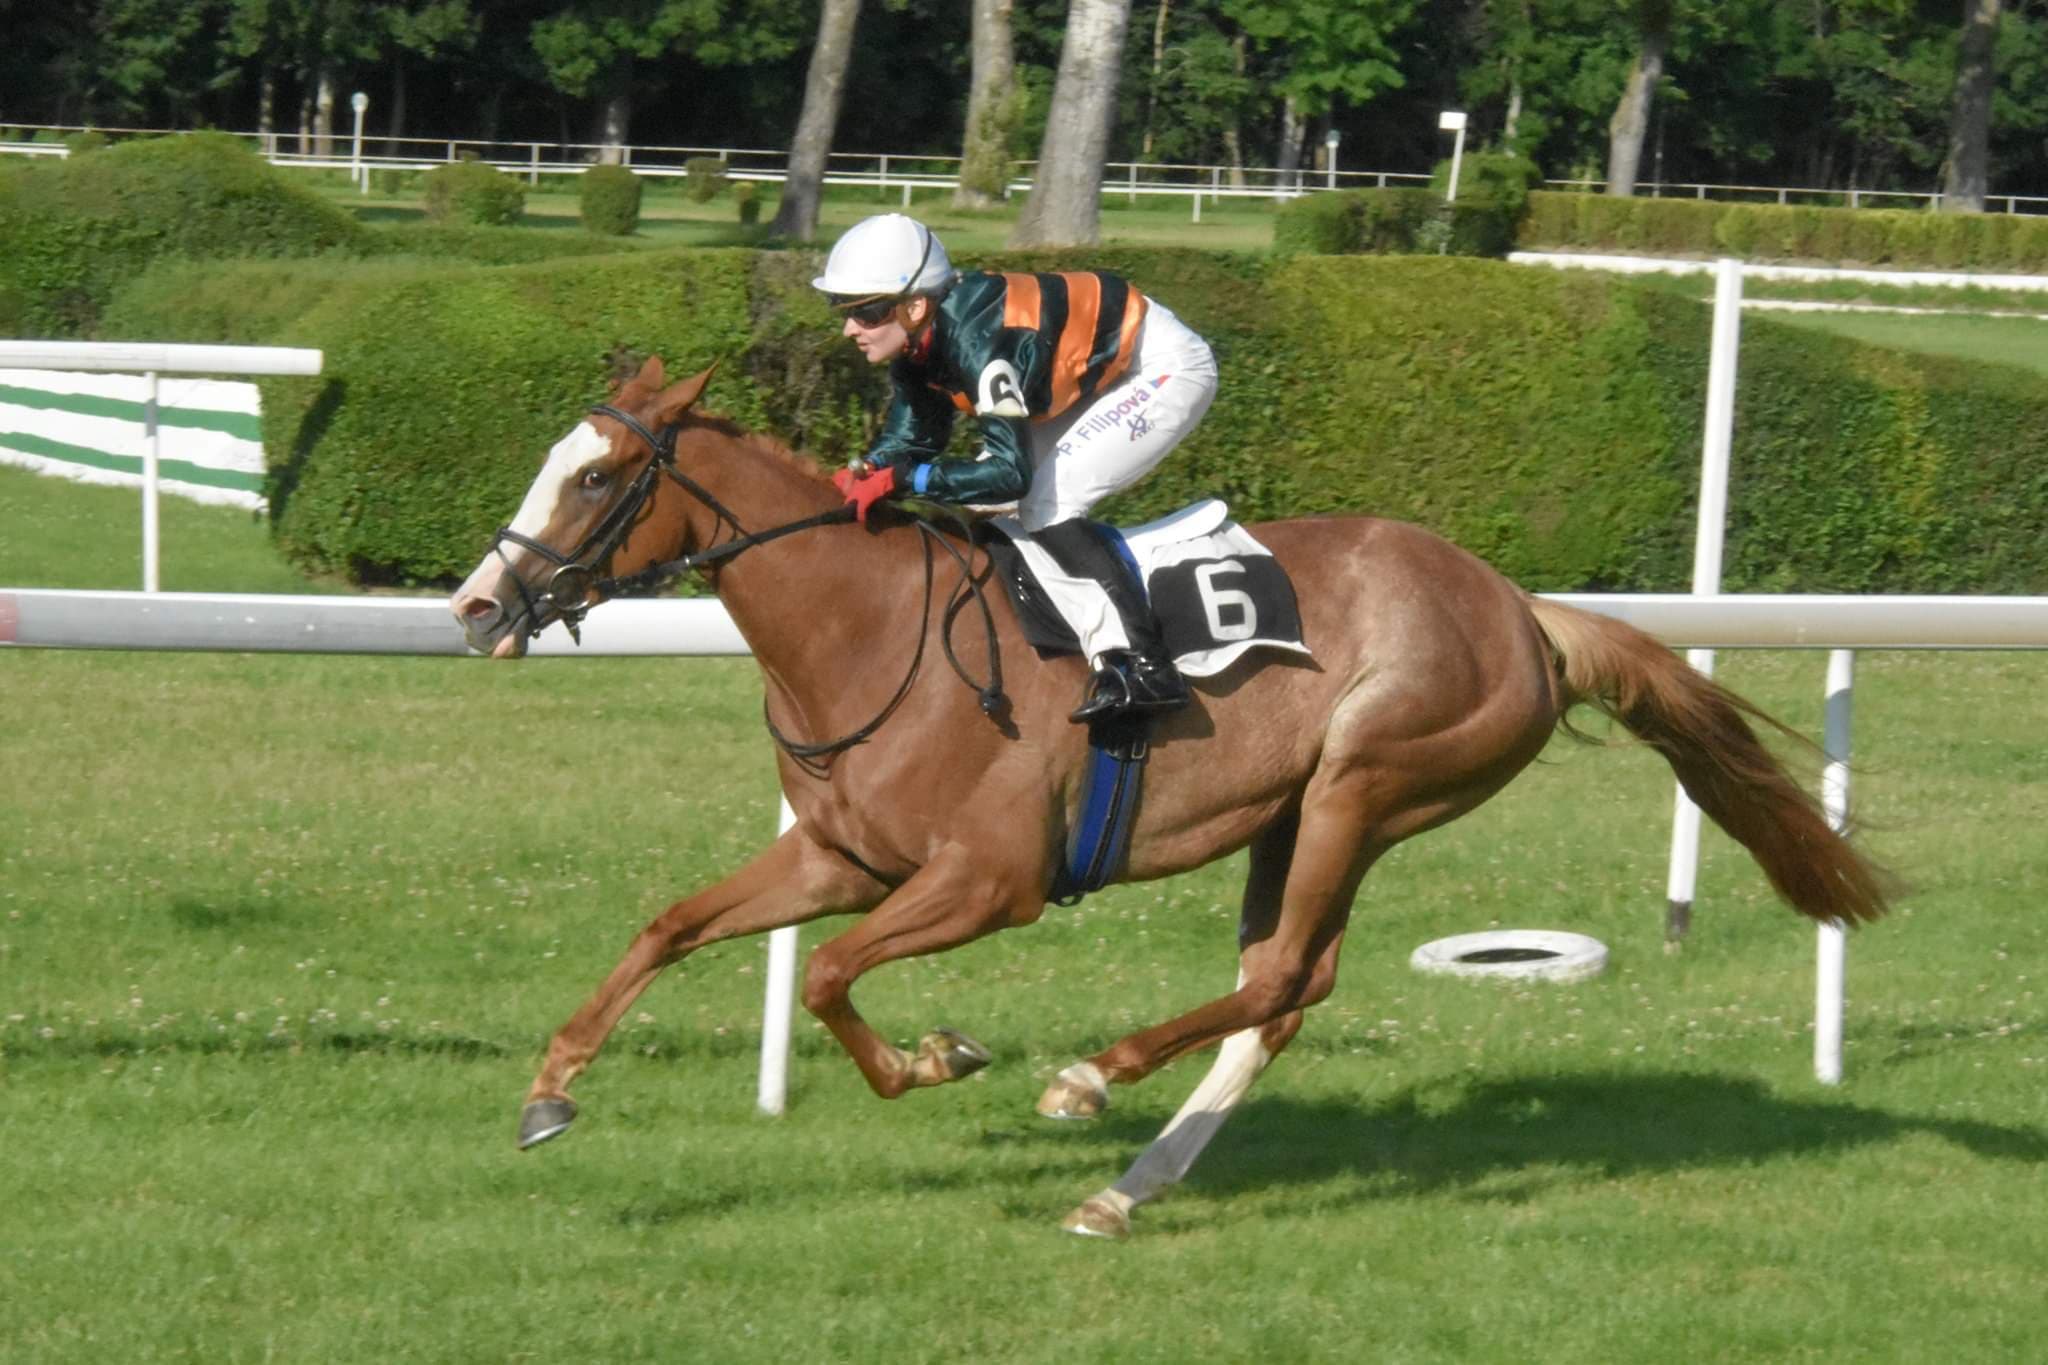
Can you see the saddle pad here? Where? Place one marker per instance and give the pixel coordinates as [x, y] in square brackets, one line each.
[1216, 590]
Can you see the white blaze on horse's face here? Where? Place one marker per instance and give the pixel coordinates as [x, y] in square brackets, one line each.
[552, 502]
[573, 489]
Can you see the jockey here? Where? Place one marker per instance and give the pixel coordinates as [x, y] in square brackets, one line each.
[1079, 384]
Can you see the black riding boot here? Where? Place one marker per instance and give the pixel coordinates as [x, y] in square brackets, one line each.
[1143, 679]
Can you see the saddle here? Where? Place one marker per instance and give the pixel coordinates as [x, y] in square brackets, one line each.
[1217, 592]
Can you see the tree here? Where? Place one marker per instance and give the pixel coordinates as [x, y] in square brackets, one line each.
[1318, 53]
[1065, 207]
[597, 49]
[1653, 20]
[1969, 133]
[429, 30]
[824, 88]
[991, 109]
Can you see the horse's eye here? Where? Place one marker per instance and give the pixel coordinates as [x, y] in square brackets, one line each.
[594, 479]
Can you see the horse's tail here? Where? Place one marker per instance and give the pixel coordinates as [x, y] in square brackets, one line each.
[1702, 729]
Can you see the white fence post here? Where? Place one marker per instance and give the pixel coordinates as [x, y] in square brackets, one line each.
[1832, 949]
[1706, 564]
[773, 1095]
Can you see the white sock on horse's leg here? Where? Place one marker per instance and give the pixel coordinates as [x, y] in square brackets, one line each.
[1239, 1060]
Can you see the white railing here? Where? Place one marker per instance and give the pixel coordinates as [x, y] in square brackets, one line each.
[55, 619]
[908, 173]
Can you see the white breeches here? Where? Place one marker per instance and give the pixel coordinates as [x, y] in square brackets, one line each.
[1095, 449]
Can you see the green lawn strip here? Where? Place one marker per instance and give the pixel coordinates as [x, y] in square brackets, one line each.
[285, 937]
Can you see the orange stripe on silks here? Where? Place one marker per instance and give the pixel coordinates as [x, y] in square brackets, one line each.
[1020, 301]
[1077, 340]
[1127, 337]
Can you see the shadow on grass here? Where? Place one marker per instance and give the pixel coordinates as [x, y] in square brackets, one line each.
[1561, 1130]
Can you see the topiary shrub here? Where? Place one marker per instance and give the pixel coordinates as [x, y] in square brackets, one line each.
[1318, 224]
[746, 197]
[609, 200]
[73, 231]
[468, 191]
[703, 178]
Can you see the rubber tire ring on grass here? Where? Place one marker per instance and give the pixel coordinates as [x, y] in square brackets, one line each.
[1514, 955]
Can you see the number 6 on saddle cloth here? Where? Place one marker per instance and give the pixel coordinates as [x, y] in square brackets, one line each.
[1217, 593]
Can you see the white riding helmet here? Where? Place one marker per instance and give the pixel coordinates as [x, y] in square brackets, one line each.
[887, 256]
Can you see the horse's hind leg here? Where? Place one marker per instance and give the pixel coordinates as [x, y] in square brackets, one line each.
[1287, 959]
[1239, 1061]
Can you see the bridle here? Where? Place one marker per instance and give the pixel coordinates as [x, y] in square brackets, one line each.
[568, 594]
[575, 587]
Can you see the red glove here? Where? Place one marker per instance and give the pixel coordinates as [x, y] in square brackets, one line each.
[863, 491]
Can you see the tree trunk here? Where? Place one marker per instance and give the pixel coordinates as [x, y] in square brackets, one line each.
[797, 215]
[1288, 157]
[394, 126]
[1969, 129]
[1158, 65]
[1631, 121]
[266, 109]
[1233, 144]
[323, 115]
[615, 112]
[985, 147]
[1065, 207]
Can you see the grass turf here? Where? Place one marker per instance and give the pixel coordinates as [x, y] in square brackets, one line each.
[281, 937]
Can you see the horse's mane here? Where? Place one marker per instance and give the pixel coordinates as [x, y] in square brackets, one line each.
[768, 447]
[755, 441]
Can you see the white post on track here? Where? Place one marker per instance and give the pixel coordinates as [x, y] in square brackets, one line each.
[773, 1095]
[151, 449]
[1706, 562]
[1832, 955]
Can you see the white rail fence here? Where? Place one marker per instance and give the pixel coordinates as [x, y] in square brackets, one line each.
[893, 171]
[59, 619]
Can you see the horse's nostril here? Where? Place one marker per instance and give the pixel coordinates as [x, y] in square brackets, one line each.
[477, 611]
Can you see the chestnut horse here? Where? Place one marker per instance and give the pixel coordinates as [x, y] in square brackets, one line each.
[1434, 681]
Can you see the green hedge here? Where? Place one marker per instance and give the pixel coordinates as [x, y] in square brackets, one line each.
[1396, 222]
[73, 231]
[1874, 237]
[1549, 421]
[1552, 423]
[416, 441]
[469, 192]
[608, 198]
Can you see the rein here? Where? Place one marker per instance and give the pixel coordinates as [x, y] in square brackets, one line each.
[569, 589]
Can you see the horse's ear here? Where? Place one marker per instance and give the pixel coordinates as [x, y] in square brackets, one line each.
[651, 374]
[676, 400]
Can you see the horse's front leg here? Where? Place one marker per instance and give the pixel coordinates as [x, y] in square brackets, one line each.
[794, 880]
[956, 897]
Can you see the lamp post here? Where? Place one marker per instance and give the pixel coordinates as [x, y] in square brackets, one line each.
[361, 104]
[1453, 121]
[1330, 141]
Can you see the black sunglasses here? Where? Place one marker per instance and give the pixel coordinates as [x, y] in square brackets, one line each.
[868, 312]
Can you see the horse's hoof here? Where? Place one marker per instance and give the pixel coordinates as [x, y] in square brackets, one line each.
[544, 1119]
[1076, 1093]
[946, 1055]
[1098, 1218]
